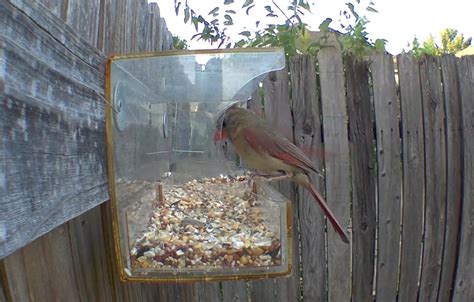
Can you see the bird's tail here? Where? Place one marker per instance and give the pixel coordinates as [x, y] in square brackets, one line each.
[324, 206]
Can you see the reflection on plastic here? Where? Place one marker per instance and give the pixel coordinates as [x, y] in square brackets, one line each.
[184, 208]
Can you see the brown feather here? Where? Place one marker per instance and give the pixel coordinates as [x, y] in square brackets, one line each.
[265, 150]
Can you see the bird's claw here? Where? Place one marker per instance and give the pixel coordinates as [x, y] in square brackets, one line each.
[265, 177]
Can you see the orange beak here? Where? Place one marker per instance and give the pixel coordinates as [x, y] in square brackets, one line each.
[219, 135]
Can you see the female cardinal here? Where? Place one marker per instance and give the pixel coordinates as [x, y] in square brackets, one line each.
[267, 152]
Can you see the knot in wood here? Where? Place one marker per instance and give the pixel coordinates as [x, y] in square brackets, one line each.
[364, 226]
[434, 102]
[272, 76]
[307, 127]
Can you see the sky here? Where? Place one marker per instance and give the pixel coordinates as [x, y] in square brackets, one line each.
[397, 21]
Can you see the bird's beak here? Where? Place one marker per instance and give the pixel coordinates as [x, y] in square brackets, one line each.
[219, 135]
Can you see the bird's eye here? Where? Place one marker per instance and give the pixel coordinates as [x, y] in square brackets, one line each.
[224, 124]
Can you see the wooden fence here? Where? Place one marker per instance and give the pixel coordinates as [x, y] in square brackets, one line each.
[399, 165]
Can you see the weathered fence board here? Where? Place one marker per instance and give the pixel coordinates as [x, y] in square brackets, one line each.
[51, 41]
[307, 128]
[387, 112]
[87, 246]
[3, 293]
[113, 27]
[464, 284]
[46, 269]
[42, 179]
[207, 292]
[413, 176]
[57, 7]
[154, 17]
[84, 18]
[435, 175]
[130, 26]
[452, 100]
[337, 169]
[234, 291]
[143, 19]
[362, 145]
[15, 280]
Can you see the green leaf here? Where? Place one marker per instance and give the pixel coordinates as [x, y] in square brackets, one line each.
[380, 44]
[247, 3]
[245, 33]
[324, 26]
[195, 22]
[230, 11]
[371, 9]
[352, 9]
[269, 8]
[186, 15]
[305, 5]
[214, 12]
[228, 20]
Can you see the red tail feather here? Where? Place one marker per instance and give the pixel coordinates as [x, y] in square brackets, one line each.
[322, 203]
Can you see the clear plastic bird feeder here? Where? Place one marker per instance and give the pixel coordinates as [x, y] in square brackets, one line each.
[183, 207]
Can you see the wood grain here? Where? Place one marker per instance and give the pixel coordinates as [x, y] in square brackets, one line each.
[387, 112]
[89, 256]
[450, 76]
[60, 42]
[15, 280]
[84, 18]
[413, 176]
[113, 27]
[3, 289]
[143, 28]
[435, 176]
[235, 291]
[362, 147]
[57, 7]
[207, 292]
[43, 270]
[337, 166]
[464, 283]
[307, 126]
[57, 139]
[129, 39]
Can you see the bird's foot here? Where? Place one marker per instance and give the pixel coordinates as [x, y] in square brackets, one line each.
[267, 177]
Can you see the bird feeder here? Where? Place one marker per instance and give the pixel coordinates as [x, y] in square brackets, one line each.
[183, 207]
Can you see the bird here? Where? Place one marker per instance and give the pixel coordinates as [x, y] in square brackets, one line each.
[270, 153]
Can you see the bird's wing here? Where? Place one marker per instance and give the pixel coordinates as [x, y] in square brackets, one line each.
[265, 141]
